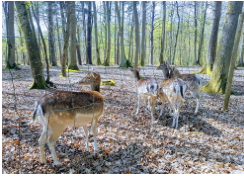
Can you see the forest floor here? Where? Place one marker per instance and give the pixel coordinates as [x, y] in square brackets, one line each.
[210, 142]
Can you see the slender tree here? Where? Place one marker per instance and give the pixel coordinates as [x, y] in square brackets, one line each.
[195, 39]
[213, 38]
[52, 57]
[161, 57]
[143, 27]
[240, 62]
[177, 33]
[108, 9]
[202, 34]
[136, 34]
[217, 83]
[96, 35]
[32, 46]
[89, 35]
[73, 23]
[10, 63]
[152, 28]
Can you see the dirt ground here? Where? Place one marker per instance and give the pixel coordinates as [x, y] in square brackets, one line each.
[210, 142]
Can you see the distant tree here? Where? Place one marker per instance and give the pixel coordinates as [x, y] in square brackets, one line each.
[89, 35]
[217, 83]
[213, 38]
[108, 10]
[143, 27]
[161, 57]
[136, 34]
[9, 12]
[202, 34]
[240, 62]
[52, 57]
[96, 35]
[73, 23]
[152, 28]
[195, 39]
[32, 46]
[177, 33]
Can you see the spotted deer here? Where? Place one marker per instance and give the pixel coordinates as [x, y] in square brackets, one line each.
[147, 88]
[58, 110]
[173, 91]
[167, 71]
[193, 81]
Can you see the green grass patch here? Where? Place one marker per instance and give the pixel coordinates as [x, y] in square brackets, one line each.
[69, 70]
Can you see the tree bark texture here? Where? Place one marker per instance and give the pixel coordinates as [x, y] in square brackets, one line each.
[96, 35]
[108, 9]
[73, 61]
[10, 64]
[161, 57]
[32, 46]
[143, 33]
[202, 34]
[89, 35]
[213, 38]
[217, 83]
[52, 57]
[136, 34]
[152, 28]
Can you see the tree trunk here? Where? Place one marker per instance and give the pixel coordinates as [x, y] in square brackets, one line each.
[161, 57]
[59, 44]
[177, 33]
[10, 64]
[73, 61]
[89, 35]
[171, 36]
[115, 54]
[233, 61]
[143, 27]
[136, 34]
[52, 57]
[241, 63]
[66, 41]
[78, 46]
[44, 46]
[152, 27]
[212, 44]
[202, 35]
[62, 17]
[195, 40]
[107, 60]
[131, 38]
[84, 26]
[32, 46]
[217, 83]
[96, 35]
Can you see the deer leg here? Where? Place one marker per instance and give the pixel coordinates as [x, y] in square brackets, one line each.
[41, 142]
[177, 117]
[196, 96]
[94, 131]
[86, 134]
[162, 107]
[55, 133]
[138, 103]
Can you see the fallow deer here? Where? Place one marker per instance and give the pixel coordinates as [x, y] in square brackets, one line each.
[147, 88]
[173, 91]
[193, 81]
[58, 110]
[167, 71]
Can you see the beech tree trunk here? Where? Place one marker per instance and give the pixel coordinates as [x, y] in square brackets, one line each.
[217, 83]
[161, 57]
[213, 38]
[143, 27]
[136, 34]
[52, 57]
[73, 61]
[96, 36]
[108, 9]
[10, 63]
[177, 33]
[241, 63]
[195, 40]
[32, 46]
[152, 28]
[89, 35]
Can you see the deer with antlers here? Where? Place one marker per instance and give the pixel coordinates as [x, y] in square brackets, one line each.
[58, 110]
